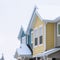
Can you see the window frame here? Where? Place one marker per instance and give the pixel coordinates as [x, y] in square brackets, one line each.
[37, 41]
[41, 26]
[58, 29]
[40, 41]
[35, 37]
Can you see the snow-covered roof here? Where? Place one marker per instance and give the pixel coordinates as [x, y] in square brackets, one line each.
[46, 53]
[48, 11]
[23, 50]
[53, 19]
[38, 12]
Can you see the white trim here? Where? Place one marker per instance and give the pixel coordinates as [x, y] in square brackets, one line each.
[58, 35]
[34, 43]
[37, 13]
[35, 46]
[40, 44]
[41, 26]
[55, 35]
[44, 36]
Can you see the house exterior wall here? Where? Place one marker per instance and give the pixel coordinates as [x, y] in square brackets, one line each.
[57, 38]
[39, 48]
[49, 36]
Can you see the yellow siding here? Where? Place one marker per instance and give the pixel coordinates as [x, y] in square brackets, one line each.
[49, 36]
[39, 48]
[37, 23]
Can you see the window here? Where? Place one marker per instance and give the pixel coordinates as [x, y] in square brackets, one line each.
[40, 35]
[36, 41]
[58, 29]
[36, 37]
[40, 40]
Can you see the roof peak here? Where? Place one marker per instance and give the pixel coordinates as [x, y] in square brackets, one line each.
[21, 33]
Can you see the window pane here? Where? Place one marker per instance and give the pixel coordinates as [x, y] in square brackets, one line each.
[40, 39]
[36, 33]
[58, 28]
[36, 41]
[40, 31]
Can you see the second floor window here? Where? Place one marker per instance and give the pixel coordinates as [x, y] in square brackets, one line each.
[36, 37]
[40, 35]
[36, 41]
[58, 29]
[40, 40]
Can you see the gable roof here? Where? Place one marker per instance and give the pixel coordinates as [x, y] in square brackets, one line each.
[21, 33]
[36, 12]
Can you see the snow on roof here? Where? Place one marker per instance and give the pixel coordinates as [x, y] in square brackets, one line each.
[46, 53]
[23, 50]
[48, 11]
[52, 16]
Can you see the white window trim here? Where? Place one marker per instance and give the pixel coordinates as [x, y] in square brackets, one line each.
[34, 43]
[38, 44]
[34, 46]
[44, 37]
[39, 36]
[57, 29]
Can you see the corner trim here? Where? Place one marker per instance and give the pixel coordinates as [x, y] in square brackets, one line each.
[45, 36]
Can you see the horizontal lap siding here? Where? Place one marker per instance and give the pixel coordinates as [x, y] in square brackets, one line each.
[38, 49]
[49, 36]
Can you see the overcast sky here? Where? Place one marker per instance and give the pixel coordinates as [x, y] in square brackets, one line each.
[14, 13]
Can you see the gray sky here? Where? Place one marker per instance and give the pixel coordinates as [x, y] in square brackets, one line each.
[14, 13]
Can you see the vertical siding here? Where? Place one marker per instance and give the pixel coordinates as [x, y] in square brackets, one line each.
[49, 36]
[39, 48]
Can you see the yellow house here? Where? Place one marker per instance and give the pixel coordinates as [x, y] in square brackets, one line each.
[42, 38]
